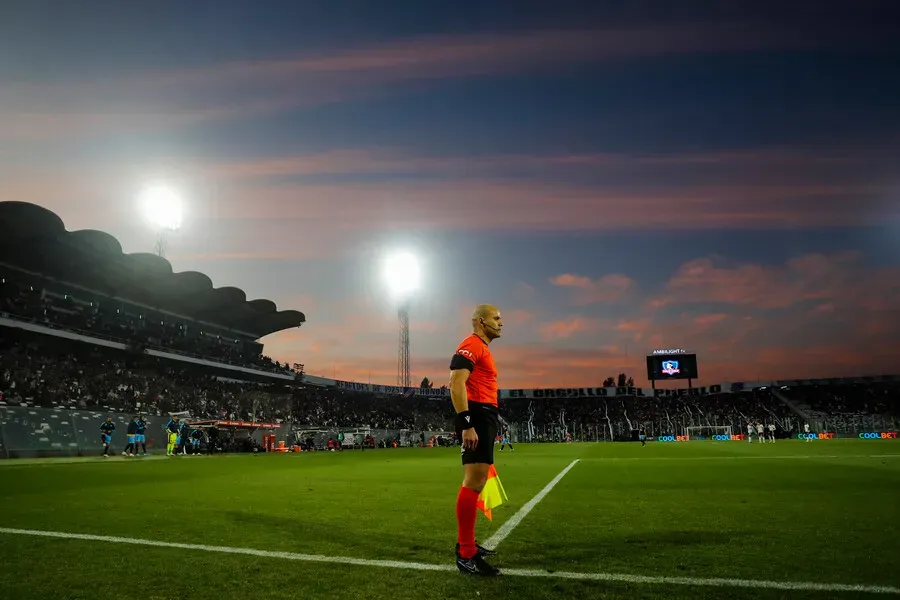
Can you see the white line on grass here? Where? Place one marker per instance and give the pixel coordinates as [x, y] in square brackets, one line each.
[83, 460]
[773, 457]
[417, 566]
[513, 521]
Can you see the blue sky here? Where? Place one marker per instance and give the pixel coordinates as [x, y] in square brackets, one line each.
[720, 176]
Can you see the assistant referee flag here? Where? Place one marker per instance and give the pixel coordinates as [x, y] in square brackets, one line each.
[492, 495]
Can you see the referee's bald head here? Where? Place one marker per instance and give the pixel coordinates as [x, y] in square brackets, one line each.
[486, 321]
[483, 311]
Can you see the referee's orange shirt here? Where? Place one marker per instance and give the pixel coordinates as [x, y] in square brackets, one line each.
[481, 386]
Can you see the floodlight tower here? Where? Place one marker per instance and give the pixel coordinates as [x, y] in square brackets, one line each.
[403, 275]
[162, 209]
[403, 377]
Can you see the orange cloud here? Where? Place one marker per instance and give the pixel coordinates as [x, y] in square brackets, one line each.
[608, 288]
[712, 319]
[566, 328]
[842, 279]
[569, 280]
[520, 366]
[634, 325]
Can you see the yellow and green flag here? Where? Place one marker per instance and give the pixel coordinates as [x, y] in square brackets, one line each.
[493, 494]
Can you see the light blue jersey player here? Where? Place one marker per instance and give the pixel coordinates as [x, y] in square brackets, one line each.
[140, 439]
[196, 437]
[106, 430]
[504, 439]
[183, 438]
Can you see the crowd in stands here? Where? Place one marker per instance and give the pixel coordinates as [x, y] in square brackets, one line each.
[42, 371]
[54, 305]
[618, 416]
[847, 406]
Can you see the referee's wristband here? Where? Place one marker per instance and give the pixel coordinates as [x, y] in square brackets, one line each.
[464, 420]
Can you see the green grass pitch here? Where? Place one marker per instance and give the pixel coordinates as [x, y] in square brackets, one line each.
[824, 512]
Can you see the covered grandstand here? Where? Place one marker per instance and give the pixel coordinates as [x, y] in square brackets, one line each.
[35, 240]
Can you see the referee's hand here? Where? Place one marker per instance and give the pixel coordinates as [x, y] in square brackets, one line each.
[469, 439]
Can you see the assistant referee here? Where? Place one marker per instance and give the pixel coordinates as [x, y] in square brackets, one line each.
[473, 390]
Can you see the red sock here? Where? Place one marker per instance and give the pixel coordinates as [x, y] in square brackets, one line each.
[466, 514]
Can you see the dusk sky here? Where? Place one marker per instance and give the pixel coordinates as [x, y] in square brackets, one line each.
[722, 177]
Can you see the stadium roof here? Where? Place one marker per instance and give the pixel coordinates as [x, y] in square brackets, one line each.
[35, 239]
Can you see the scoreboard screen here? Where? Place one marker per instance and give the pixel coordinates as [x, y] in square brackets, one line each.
[661, 367]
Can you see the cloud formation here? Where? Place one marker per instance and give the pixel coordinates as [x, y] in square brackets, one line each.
[153, 101]
[676, 191]
[608, 288]
[566, 328]
[839, 281]
[797, 319]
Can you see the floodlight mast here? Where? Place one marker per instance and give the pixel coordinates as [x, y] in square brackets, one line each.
[403, 279]
[403, 375]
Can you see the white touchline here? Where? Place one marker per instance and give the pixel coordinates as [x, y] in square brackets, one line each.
[417, 566]
[773, 457]
[514, 520]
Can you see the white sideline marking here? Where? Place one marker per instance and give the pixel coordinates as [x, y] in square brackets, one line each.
[773, 457]
[513, 521]
[417, 566]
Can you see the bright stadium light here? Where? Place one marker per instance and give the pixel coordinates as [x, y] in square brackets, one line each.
[402, 274]
[161, 207]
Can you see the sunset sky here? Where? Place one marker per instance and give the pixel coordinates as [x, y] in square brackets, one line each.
[724, 177]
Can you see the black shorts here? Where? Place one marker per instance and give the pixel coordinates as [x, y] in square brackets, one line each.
[486, 419]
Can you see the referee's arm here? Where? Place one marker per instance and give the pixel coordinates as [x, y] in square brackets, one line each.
[461, 367]
[458, 394]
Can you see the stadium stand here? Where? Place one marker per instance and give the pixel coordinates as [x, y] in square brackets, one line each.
[846, 407]
[88, 331]
[82, 282]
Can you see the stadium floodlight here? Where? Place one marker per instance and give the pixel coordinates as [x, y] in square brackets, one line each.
[402, 274]
[162, 208]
